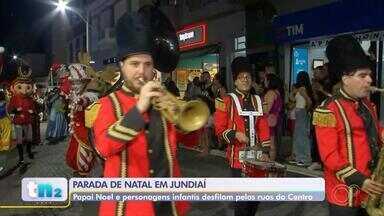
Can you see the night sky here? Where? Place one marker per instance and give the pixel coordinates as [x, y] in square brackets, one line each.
[23, 28]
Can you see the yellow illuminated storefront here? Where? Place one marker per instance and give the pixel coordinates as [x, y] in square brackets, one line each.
[196, 57]
[190, 68]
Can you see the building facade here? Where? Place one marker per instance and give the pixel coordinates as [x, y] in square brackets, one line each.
[69, 32]
[211, 34]
[302, 36]
[103, 16]
[207, 49]
[231, 28]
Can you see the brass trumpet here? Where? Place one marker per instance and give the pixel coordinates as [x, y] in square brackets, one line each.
[187, 116]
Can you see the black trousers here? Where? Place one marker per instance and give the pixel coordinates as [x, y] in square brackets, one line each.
[335, 210]
[21, 151]
[314, 148]
[244, 208]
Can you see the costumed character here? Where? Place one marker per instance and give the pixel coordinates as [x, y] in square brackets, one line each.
[5, 124]
[83, 91]
[57, 73]
[54, 73]
[5, 131]
[57, 127]
[137, 137]
[21, 107]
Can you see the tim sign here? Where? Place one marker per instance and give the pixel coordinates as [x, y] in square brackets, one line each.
[192, 36]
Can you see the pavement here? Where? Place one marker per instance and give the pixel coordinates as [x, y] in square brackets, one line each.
[300, 171]
[217, 162]
[50, 162]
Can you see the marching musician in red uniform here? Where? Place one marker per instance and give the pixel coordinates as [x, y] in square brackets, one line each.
[134, 139]
[239, 121]
[347, 130]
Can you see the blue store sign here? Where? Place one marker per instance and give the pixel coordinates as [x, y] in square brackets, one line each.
[334, 18]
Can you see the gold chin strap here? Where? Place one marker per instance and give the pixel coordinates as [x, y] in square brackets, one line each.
[128, 85]
[157, 75]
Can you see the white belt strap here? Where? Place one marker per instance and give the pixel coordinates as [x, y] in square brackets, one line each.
[251, 114]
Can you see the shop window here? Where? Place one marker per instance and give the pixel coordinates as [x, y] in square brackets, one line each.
[190, 67]
[240, 43]
[365, 45]
[240, 53]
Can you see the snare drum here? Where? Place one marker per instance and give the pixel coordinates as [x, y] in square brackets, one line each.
[253, 168]
[249, 154]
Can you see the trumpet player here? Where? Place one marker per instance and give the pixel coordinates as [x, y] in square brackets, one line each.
[347, 130]
[240, 123]
[134, 139]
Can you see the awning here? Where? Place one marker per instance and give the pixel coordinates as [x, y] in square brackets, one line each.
[343, 16]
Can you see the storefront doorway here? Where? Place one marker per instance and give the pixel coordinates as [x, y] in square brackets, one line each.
[189, 68]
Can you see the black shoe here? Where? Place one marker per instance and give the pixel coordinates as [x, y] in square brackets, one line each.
[20, 163]
[302, 164]
[31, 156]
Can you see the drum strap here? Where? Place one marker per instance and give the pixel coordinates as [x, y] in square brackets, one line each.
[252, 115]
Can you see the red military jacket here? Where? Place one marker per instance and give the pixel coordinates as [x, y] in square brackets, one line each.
[23, 116]
[228, 121]
[344, 149]
[120, 137]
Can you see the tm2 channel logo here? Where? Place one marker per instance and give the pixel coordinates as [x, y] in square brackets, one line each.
[44, 189]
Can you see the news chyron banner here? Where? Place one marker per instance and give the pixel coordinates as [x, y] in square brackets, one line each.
[172, 189]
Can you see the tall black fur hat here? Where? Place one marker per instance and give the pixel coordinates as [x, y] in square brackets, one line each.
[240, 64]
[148, 31]
[345, 55]
[133, 35]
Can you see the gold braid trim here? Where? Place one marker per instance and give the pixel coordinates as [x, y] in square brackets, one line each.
[348, 135]
[91, 113]
[120, 208]
[220, 105]
[324, 118]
